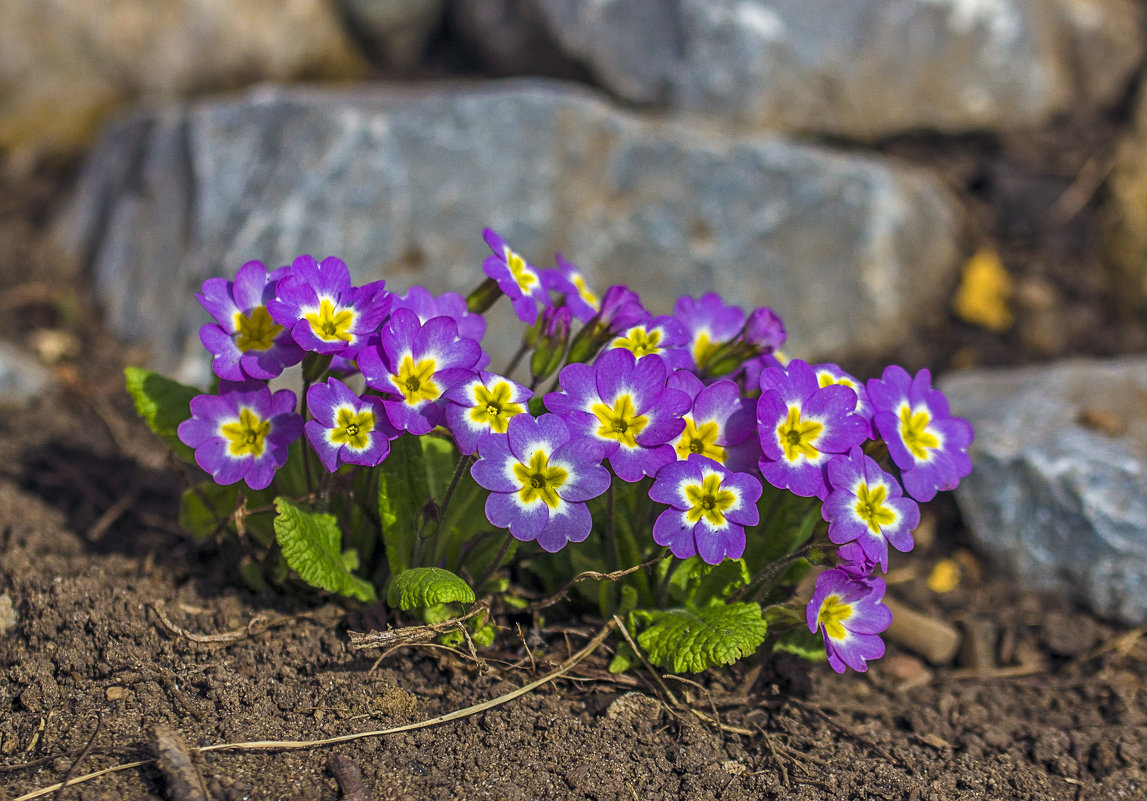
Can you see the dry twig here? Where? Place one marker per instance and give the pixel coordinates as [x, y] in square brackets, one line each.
[615, 575]
[411, 635]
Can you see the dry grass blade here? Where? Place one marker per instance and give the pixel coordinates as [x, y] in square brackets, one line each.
[294, 745]
[410, 635]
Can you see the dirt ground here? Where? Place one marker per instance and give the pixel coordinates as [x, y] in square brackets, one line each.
[105, 605]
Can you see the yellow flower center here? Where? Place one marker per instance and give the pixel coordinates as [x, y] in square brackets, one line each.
[914, 431]
[833, 612]
[248, 436]
[709, 501]
[585, 292]
[353, 429]
[797, 436]
[870, 506]
[416, 381]
[701, 440]
[492, 407]
[329, 324]
[539, 480]
[827, 379]
[256, 332]
[621, 423]
[703, 348]
[524, 277]
[639, 342]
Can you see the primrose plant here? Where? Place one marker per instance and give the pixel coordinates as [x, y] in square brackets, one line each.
[357, 441]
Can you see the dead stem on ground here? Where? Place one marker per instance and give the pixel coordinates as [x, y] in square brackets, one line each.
[257, 625]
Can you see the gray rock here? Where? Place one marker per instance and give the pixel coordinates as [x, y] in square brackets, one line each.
[864, 70]
[22, 377]
[848, 249]
[1058, 493]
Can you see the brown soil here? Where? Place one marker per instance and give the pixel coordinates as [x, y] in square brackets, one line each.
[92, 563]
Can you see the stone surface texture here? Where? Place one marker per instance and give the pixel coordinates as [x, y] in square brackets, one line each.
[1058, 491]
[65, 65]
[849, 249]
[868, 69]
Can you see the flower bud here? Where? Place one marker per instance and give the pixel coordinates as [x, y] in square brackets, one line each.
[551, 344]
[481, 299]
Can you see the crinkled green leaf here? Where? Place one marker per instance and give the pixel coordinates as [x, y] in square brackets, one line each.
[423, 587]
[696, 639]
[803, 643]
[163, 404]
[402, 492]
[311, 545]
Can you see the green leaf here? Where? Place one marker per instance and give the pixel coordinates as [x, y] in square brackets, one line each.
[422, 587]
[696, 639]
[311, 545]
[803, 643]
[163, 404]
[402, 492]
[203, 507]
[696, 583]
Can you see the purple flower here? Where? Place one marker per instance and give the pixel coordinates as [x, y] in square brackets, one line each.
[483, 404]
[867, 506]
[849, 614]
[519, 281]
[567, 280]
[709, 323]
[540, 475]
[827, 374]
[346, 428]
[324, 312]
[720, 424]
[621, 309]
[928, 445]
[660, 336]
[246, 342]
[709, 509]
[242, 433]
[765, 330]
[417, 363]
[449, 304]
[854, 561]
[624, 404]
[801, 425]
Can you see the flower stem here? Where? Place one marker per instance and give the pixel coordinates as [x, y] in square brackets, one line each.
[459, 469]
[495, 563]
[517, 357]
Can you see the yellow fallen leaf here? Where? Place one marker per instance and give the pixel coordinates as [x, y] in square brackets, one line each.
[985, 292]
[945, 576]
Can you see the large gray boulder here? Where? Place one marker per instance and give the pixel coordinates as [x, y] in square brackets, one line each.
[1058, 493]
[849, 249]
[861, 69]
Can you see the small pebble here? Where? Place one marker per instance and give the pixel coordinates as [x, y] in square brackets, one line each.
[115, 693]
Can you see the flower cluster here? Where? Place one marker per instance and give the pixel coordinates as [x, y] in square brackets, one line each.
[699, 408]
